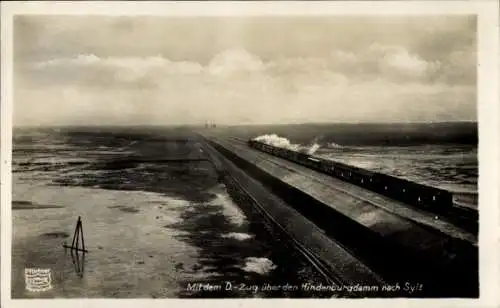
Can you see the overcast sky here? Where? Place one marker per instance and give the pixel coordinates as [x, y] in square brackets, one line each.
[165, 70]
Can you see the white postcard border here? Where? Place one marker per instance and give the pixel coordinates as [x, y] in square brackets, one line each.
[488, 119]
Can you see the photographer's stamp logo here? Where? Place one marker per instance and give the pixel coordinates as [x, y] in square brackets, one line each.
[38, 279]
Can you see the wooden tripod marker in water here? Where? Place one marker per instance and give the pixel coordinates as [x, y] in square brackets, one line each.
[76, 238]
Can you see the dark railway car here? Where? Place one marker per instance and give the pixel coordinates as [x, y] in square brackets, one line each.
[342, 171]
[288, 154]
[327, 167]
[278, 152]
[312, 162]
[413, 193]
[361, 177]
[399, 189]
[295, 156]
[301, 158]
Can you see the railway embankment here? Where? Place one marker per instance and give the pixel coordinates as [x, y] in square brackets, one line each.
[355, 234]
[334, 263]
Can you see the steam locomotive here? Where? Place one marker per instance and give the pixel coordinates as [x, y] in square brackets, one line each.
[421, 196]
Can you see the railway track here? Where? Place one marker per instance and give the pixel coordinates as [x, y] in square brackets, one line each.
[320, 267]
[330, 276]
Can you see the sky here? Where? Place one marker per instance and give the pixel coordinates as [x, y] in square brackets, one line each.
[96, 70]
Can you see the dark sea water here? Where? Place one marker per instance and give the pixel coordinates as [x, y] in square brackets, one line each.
[152, 229]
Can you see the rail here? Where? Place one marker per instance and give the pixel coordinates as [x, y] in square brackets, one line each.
[329, 275]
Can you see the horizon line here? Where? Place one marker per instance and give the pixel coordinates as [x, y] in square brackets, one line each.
[244, 124]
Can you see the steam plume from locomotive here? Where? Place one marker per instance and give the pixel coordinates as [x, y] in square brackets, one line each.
[282, 142]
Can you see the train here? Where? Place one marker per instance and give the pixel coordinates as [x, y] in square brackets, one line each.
[419, 195]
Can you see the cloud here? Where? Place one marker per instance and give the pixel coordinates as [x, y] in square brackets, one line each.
[80, 60]
[234, 61]
[391, 62]
[398, 60]
[381, 83]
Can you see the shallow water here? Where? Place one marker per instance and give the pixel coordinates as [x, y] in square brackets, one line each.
[152, 230]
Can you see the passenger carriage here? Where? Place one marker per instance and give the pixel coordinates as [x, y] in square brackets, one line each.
[393, 187]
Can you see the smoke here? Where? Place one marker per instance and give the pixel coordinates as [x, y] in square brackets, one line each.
[313, 148]
[281, 142]
[277, 141]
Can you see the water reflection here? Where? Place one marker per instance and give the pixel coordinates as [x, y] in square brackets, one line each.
[78, 259]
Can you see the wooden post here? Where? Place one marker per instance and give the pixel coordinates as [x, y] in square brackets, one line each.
[76, 238]
[77, 262]
[77, 233]
[81, 231]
